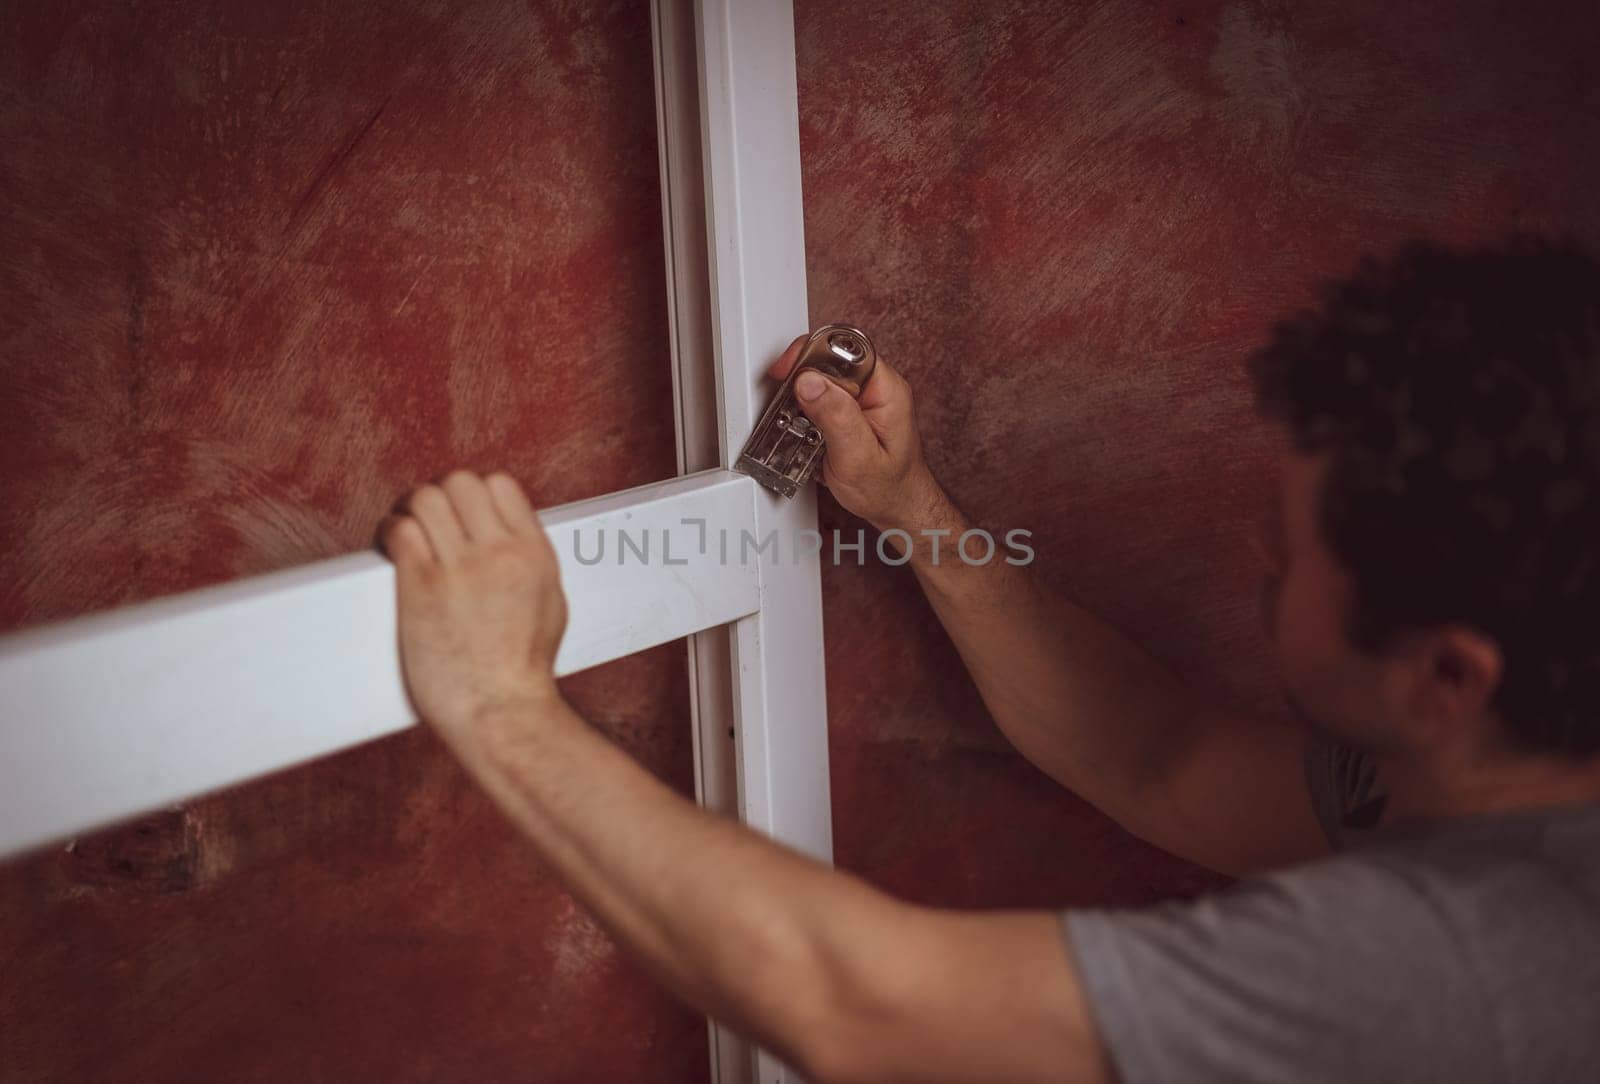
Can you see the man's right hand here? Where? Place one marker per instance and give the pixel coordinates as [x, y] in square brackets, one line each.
[873, 460]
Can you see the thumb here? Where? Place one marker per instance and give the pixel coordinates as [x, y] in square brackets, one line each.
[835, 411]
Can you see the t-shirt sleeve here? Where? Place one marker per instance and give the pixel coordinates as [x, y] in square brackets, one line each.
[1338, 971]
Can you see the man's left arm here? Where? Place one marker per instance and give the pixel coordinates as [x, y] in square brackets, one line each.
[832, 975]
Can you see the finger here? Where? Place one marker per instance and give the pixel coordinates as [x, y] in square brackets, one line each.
[433, 509]
[403, 540]
[519, 514]
[885, 387]
[513, 506]
[474, 506]
[779, 370]
[886, 404]
[838, 415]
[406, 544]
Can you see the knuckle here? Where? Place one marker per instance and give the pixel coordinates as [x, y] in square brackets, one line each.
[501, 480]
[503, 551]
[506, 559]
[539, 545]
[428, 573]
[459, 478]
[428, 498]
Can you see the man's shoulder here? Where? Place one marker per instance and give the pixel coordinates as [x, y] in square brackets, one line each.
[1297, 974]
[1498, 871]
[1473, 947]
[1512, 885]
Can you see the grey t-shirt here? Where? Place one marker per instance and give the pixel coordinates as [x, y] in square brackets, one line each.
[1464, 951]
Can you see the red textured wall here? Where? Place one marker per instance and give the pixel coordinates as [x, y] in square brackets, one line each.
[1067, 223]
[265, 266]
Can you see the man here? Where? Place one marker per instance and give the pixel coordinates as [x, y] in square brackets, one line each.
[1433, 607]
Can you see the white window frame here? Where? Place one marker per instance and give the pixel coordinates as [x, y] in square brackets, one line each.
[115, 714]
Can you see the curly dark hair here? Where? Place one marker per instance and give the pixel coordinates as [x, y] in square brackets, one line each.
[1459, 396]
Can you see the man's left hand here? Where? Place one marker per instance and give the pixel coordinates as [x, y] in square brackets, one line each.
[481, 610]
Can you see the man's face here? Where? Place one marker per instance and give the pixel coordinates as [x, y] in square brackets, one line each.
[1334, 687]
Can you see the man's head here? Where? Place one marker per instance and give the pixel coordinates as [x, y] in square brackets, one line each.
[1440, 502]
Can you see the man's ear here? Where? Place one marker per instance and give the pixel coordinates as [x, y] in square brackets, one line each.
[1459, 671]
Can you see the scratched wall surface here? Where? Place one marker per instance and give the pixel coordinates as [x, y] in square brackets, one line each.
[263, 268]
[1067, 223]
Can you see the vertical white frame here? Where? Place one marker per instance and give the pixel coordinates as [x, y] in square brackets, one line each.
[756, 249]
[735, 250]
[235, 681]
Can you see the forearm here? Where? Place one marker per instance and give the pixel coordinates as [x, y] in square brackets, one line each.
[828, 973]
[745, 930]
[1075, 695]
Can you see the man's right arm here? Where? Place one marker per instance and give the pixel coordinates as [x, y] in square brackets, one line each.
[1077, 697]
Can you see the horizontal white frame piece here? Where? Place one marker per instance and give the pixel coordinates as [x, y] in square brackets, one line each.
[108, 716]
[750, 132]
